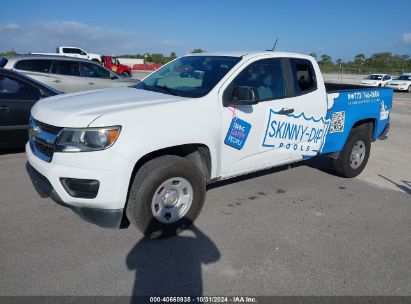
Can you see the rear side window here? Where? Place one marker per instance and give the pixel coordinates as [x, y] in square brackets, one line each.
[71, 51]
[34, 65]
[15, 89]
[69, 68]
[94, 71]
[304, 76]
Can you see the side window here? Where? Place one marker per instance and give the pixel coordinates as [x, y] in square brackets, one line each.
[266, 76]
[16, 89]
[34, 65]
[67, 51]
[94, 71]
[65, 67]
[304, 76]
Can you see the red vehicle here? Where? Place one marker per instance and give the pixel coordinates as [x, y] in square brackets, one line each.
[113, 64]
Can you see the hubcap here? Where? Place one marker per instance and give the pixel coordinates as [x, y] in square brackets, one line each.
[357, 154]
[172, 200]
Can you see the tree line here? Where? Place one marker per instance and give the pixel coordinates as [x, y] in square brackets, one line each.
[384, 60]
[157, 57]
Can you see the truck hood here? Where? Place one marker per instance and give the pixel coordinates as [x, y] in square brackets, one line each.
[78, 110]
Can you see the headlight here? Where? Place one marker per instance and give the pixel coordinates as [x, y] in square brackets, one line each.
[89, 139]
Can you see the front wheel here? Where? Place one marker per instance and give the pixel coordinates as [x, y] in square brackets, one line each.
[125, 74]
[409, 89]
[166, 196]
[354, 156]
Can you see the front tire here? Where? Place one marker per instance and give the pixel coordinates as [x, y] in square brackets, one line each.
[354, 156]
[166, 196]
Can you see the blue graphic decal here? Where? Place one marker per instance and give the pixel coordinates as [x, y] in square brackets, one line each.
[351, 107]
[237, 133]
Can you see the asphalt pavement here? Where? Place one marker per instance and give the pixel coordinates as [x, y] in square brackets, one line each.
[294, 230]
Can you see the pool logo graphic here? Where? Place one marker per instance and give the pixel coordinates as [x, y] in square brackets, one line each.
[297, 133]
[237, 133]
[384, 113]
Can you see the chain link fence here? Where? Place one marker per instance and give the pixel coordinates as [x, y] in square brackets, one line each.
[363, 70]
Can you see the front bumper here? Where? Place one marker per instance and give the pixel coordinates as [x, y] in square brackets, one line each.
[107, 218]
[369, 84]
[398, 88]
[111, 170]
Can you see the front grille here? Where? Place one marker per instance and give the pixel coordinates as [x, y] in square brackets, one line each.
[48, 128]
[45, 149]
[42, 138]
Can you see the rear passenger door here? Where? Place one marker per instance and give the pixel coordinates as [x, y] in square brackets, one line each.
[285, 126]
[38, 69]
[66, 76]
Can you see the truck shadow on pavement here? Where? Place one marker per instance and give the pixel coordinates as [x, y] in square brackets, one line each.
[171, 266]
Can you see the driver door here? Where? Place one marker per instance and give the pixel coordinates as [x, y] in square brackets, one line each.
[285, 126]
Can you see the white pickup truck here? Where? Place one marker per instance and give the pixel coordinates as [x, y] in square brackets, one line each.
[145, 155]
[76, 52]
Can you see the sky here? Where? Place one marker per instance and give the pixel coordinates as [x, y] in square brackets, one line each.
[340, 29]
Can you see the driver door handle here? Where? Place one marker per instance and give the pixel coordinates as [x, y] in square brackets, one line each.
[4, 108]
[91, 83]
[56, 81]
[285, 111]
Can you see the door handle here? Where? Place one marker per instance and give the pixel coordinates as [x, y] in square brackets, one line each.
[285, 111]
[91, 83]
[4, 108]
[57, 81]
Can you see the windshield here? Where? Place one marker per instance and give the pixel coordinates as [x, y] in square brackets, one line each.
[374, 77]
[189, 76]
[404, 77]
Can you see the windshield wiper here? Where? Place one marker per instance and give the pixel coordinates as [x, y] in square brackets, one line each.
[167, 89]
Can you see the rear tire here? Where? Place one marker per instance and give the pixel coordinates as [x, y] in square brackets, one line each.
[166, 196]
[409, 89]
[354, 156]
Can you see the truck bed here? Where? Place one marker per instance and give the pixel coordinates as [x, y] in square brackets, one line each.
[349, 104]
[331, 87]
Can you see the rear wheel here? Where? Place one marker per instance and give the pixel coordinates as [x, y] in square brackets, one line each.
[409, 89]
[166, 196]
[354, 156]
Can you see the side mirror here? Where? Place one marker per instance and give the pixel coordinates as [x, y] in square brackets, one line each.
[244, 96]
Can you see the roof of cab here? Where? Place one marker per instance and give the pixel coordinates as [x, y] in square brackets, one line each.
[41, 56]
[250, 54]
